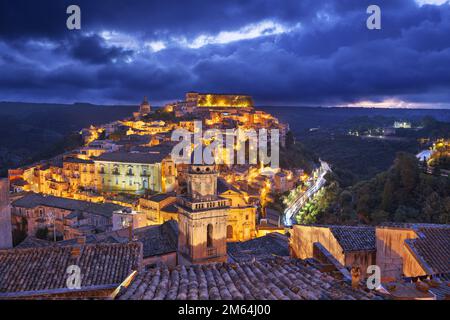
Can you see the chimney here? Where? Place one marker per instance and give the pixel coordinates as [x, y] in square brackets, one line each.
[76, 249]
[130, 232]
[356, 276]
[75, 252]
[81, 240]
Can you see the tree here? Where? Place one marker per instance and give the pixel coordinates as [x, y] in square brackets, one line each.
[437, 170]
[444, 217]
[379, 216]
[308, 213]
[407, 166]
[387, 199]
[406, 214]
[289, 139]
[432, 207]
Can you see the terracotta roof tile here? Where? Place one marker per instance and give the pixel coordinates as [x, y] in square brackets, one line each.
[42, 270]
[353, 238]
[32, 200]
[276, 279]
[266, 247]
[432, 246]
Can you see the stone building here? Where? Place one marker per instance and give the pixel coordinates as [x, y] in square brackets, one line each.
[80, 173]
[202, 218]
[128, 218]
[341, 246]
[144, 108]
[213, 100]
[70, 218]
[159, 242]
[159, 208]
[135, 172]
[5, 215]
[241, 220]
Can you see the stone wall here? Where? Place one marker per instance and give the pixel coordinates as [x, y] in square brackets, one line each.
[411, 267]
[302, 246]
[192, 242]
[391, 251]
[303, 238]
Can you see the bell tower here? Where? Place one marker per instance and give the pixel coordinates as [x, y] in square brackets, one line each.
[202, 218]
[144, 108]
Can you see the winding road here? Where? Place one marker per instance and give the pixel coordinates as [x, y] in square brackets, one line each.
[298, 203]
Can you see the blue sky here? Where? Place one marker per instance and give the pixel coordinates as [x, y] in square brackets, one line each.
[283, 52]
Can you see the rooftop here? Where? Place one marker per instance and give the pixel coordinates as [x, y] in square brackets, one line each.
[33, 242]
[276, 279]
[266, 247]
[77, 160]
[156, 240]
[161, 196]
[38, 271]
[432, 248]
[223, 186]
[354, 238]
[133, 157]
[32, 200]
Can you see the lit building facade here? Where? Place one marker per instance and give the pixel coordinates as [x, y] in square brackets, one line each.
[241, 219]
[211, 100]
[135, 172]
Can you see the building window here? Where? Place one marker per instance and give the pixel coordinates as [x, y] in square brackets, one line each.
[209, 236]
[229, 232]
[130, 171]
[116, 170]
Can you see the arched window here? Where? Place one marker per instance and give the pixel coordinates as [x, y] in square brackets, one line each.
[229, 232]
[209, 236]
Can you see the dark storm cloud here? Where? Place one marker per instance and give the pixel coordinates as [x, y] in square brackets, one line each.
[322, 53]
[92, 49]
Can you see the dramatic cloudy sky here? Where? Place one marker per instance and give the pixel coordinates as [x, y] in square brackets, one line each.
[283, 52]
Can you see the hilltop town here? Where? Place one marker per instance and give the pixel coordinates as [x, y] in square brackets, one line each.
[140, 225]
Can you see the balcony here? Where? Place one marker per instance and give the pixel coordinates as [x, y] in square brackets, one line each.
[211, 252]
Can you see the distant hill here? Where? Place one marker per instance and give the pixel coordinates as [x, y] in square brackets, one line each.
[301, 119]
[30, 129]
